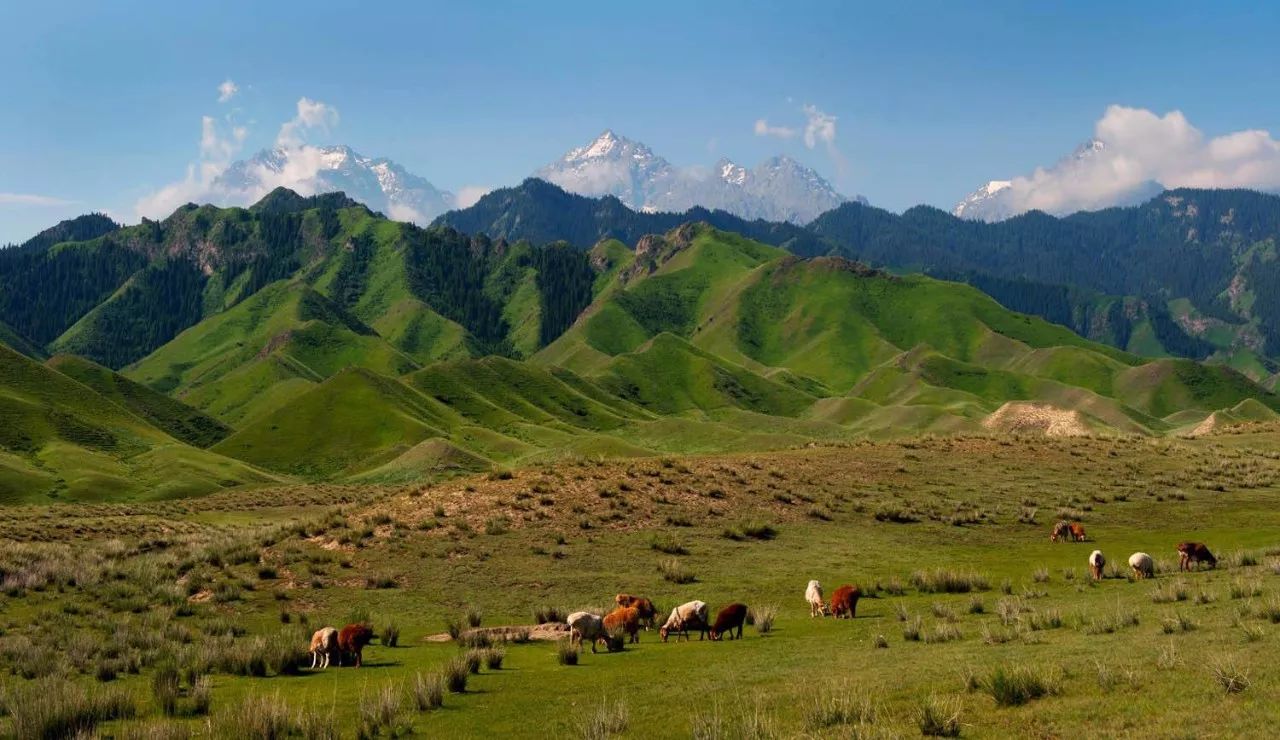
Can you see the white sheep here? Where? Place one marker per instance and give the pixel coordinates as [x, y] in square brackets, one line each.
[1142, 564]
[690, 615]
[1097, 561]
[817, 603]
[324, 645]
[585, 626]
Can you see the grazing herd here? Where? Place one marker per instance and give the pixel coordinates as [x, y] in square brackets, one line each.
[329, 644]
[1190, 554]
[635, 612]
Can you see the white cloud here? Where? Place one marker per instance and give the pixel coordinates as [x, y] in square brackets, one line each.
[763, 128]
[469, 194]
[31, 199]
[1141, 150]
[819, 129]
[221, 142]
[227, 90]
[312, 114]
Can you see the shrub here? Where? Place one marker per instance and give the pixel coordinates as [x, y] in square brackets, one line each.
[54, 708]
[942, 632]
[379, 709]
[668, 544]
[942, 580]
[880, 641]
[156, 730]
[312, 725]
[939, 717]
[497, 525]
[165, 687]
[390, 636]
[1179, 622]
[1232, 678]
[942, 611]
[1017, 686]
[474, 617]
[976, 606]
[1040, 575]
[1169, 592]
[1242, 588]
[493, 658]
[456, 672]
[896, 514]
[547, 614]
[474, 658]
[201, 695]
[607, 719]
[674, 571]
[427, 691]
[566, 653]
[911, 630]
[264, 716]
[475, 639]
[454, 628]
[759, 531]
[761, 617]
[839, 704]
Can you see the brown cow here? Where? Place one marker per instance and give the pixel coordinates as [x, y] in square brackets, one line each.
[648, 613]
[844, 602]
[731, 617]
[351, 642]
[1194, 553]
[1077, 532]
[625, 619]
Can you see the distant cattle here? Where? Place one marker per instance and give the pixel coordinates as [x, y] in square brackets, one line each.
[688, 616]
[1096, 563]
[1142, 564]
[324, 647]
[1194, 553]
[1068, 531]
[648, 613]
[590, 627]
[623, 620]
[731, 617]
[351, 642]
[844, 602]
[817, 603]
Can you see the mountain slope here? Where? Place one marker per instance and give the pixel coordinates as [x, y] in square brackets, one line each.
[540, 212]
[827, 328]
[175, 418]
[61, 440]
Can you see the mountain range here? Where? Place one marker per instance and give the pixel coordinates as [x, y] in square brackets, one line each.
[778, 189]
[378, 183]
[1001, 199]
[311, 338]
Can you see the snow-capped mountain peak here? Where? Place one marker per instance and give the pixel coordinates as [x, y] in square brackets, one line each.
[380, 183]
[778, 189]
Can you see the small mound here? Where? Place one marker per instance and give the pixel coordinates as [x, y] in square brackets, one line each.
[1023, 417]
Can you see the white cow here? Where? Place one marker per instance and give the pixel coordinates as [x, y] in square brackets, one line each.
[817, 603]
[691, 615]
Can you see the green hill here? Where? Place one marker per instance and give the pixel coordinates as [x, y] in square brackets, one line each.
[60, 440]
[14, 341]
[175, 418]
[803, 332]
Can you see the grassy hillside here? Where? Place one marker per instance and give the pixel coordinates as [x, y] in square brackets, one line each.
[265, 351]
[173, 417]
[917, 353]
[970, 619]
[61, 440]
[15, 341]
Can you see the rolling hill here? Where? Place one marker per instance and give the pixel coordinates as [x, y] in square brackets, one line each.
[1179, 275]
[61, 440]
[313, 338]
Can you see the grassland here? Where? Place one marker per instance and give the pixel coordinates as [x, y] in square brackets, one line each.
[106, 596]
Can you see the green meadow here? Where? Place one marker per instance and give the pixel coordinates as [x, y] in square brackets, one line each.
[972, 622]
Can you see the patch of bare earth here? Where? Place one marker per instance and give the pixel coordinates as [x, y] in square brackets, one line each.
[1021, 417]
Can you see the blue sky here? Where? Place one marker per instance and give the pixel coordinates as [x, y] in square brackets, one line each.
[104, 101]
